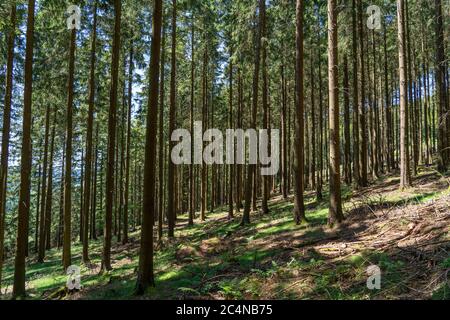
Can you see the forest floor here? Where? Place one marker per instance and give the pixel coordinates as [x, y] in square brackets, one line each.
[406, 234]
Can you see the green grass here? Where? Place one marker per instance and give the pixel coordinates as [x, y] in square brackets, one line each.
[237, 262]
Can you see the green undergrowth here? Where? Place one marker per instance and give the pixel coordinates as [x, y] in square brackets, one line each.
[222, 259]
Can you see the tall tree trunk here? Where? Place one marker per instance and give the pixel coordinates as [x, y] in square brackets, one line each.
[171, 204]
[265, 179]
[24, 193]
[375, 129]
[347, 155]
[82, 161]
[230, 122]
[41, 250]
[251, 168]
[299, 206]
[161, 137]
[239, 125]
[410, 92]
[389, 129]
[319, 195]
[191, 166]
[312, 169]
[93, 228]
[441, 88]
[67, 257]
[335, 212]
[49, 197]
[38, 199]
[6, 134]
[110, 169]
[128, 146]
[284, 169]
[362, 104]
[61, 198]
[204, 124]
[145, 272]
[356, 152]
[89, 144]
[405, 178]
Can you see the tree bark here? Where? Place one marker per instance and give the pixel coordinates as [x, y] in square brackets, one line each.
[161, 137]
[128, 146]
[299, 206]
[89, 144]
[24, 193]
[67, 259]
[145, 272]
[6, 133]
[249, 183]
[171, 200]
[49, 197]
[405, 178]
[347, 155]
[110, 169]
[335, 212]
[440, 74]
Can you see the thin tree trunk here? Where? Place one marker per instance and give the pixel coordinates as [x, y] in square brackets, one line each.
[128, 146]
[347, 155]
[49, 197]
[362, 102]
[93, 229]
[230, 119]
[265, 179]
[89, 144]
[68, 169]
[405, 179]
[250, 185]
[38, 199]
[161, 137]
[299, 206]
[191, 166]
[171, 200]
[356, 152]
[41, 249]
[106, 260]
